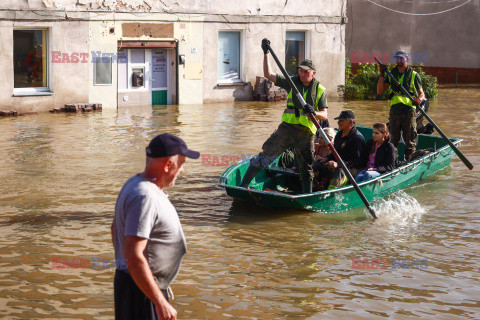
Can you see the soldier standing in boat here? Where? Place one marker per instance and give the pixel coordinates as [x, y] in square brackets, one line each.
[402, 110]
[296, 129]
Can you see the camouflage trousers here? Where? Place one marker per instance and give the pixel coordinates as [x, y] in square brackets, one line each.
[284, 137]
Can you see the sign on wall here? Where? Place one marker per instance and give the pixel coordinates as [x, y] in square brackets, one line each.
[159, 69]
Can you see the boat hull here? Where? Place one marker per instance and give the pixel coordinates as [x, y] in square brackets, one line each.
[263, 189]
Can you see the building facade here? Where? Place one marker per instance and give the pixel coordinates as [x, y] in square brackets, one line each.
[442, 35]
[143, 52]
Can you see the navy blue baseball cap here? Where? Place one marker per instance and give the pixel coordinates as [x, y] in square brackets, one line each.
[166, 145]
[401, 54]
[346, 114]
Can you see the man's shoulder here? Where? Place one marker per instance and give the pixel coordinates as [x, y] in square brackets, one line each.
[417, 75]
[137, 188]
[315, 81]
[136, 184]
[358, 135]
[282, 82]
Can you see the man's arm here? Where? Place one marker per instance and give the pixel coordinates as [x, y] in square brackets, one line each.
[381, 85]
[112, 230]
[267, 73]
[418, 85]
[321, 114]
[143, 277]
[421, 94]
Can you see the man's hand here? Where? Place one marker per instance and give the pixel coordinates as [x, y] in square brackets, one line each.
[166, 311]
[265, 45]
[332, 164]
[308, 109]
[417, 101]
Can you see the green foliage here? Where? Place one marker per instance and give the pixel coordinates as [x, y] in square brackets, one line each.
[429, 83]
[348, 70]
[363, 84]
[291, 65]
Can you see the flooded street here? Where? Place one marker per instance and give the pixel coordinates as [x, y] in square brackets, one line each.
[62, 172]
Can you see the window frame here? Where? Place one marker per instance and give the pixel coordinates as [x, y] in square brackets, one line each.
[34, 91]
[306, 37]
[241, 64]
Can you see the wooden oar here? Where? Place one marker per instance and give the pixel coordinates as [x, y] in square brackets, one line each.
[405, 92]
[322, 133]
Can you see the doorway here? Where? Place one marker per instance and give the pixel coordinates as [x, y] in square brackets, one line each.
[146, 76]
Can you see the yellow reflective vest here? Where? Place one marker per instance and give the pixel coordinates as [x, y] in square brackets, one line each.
[399, 96]
[289, 112]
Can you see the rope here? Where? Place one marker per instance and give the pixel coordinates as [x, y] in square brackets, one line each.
[419, 14]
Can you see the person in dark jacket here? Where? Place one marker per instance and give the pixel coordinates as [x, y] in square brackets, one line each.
[349, 143]
[379, 155]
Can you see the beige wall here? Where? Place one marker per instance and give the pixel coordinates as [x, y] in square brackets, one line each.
[67, 81]
[222, 7]
[75, 28]
[100, 39]
[324, 46]
[191, 75]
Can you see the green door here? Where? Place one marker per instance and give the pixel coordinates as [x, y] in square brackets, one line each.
[159, 97]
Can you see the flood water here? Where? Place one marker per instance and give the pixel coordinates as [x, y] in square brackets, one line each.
[61, 174]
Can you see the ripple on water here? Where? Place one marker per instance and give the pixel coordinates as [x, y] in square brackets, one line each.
[62, 173]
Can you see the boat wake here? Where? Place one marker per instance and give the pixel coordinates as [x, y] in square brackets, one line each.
[398, 209]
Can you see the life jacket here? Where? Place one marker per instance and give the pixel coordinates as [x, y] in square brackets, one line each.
[407, 80]
[293, 116]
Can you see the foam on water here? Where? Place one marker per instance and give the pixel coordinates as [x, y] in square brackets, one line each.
[398, 209]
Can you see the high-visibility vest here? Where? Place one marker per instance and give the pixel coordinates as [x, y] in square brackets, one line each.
[399, 96]
[289, 112]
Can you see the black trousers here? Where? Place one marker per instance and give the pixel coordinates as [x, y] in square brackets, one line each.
[406, 125]
[130, 302]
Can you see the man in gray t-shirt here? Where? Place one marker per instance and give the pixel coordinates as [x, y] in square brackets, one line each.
[147, 234]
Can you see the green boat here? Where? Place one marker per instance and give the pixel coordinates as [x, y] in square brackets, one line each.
[275, 186]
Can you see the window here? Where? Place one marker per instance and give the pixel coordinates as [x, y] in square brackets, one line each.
[228, 59]
[30, 60]
[103, 70]
[294, 50]
[134, 69]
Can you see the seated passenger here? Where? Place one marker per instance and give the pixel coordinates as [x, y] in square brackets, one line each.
[322, 152]
[379, 155]
[288, 160]
[349, 143]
